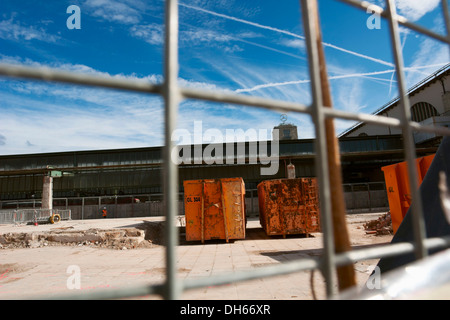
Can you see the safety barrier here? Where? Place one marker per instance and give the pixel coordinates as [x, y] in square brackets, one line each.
[172, 286]
[33, 216]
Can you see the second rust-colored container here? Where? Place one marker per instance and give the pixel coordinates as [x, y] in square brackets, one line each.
[214, 209]
[289, 206]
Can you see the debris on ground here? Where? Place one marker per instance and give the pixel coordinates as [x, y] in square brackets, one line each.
[120, 239]
[380, 226]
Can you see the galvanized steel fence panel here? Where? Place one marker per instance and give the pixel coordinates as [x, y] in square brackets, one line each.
[172, 287]
[32, 215]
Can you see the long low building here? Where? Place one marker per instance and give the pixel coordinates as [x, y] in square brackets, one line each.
[134, 176]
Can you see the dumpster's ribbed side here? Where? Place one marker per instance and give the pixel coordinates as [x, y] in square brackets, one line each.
[214, 209]
[289, 206]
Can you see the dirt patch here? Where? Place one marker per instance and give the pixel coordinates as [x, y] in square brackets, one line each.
[5, 268]
[154, 232]
[8, 271]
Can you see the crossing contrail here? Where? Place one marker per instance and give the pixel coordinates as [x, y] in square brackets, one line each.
[261, 26]
[344, 76]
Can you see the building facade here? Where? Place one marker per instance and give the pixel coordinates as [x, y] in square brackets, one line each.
[430, 104]
[129, 181]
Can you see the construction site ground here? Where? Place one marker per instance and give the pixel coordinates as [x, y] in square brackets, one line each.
[107, 254]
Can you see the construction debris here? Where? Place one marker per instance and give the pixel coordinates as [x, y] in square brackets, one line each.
[380, 226]
[114, 239]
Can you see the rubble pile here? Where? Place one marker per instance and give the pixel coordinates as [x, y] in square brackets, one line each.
[114, 239]
[380, 226]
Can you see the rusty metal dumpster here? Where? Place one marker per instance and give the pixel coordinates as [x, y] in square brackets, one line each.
[397, 187]
[289, 206]
[214, 209]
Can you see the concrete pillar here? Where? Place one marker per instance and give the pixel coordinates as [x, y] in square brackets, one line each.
[47, 193]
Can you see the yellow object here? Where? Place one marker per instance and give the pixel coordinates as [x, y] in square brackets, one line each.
[55, 218]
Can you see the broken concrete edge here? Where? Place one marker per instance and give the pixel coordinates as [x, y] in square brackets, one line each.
[147, 234]
[122, 238]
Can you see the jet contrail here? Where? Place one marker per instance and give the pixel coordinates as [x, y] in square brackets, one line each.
[344, 76]
[261, 26]
[277, 84]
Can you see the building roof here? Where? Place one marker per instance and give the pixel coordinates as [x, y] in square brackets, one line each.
[444, 71]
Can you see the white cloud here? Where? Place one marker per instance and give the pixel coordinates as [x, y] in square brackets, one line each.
[429, 52]
[195, 37]
[284, 32]
[11, 30]
[245, 76]
[150, 33]
[294, 43]
[412, 9]
[416, 9]
[42, 117]
[126, 12]
[54, 117]
[349, 95]
[64, 123]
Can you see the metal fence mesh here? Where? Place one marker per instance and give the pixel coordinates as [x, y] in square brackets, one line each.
[31, 215]
[172, 287]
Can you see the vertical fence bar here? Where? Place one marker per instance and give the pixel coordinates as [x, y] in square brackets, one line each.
[409, 145]
[322, 171]
[446, 18]
[172, 98]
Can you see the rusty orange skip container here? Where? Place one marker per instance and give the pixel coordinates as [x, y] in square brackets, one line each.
[214, 209]
[397, 187]
[289, 206]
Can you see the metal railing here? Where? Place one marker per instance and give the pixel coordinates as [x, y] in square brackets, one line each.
[359, 197]
[172, 287]
[31, 215]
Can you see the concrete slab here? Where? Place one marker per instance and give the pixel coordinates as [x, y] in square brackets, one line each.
[50, 270]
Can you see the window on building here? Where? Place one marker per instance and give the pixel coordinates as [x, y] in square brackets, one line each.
[286, 133]
[423, 110]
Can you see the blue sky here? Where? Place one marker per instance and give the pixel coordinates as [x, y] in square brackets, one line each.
[241, 46]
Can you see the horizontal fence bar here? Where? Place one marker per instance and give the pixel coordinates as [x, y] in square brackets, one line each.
[364, 5]
[54, 75]
[299, 265]
[383, 120]
[108, 294]
[251, 101]
[389, 250]
[362, 117]
[303, 264]
[429, 129]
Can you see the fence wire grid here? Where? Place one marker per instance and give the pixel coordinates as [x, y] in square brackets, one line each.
[32, 215]
[172, 287]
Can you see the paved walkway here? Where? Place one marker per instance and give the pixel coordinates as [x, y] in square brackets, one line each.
[51, 270]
